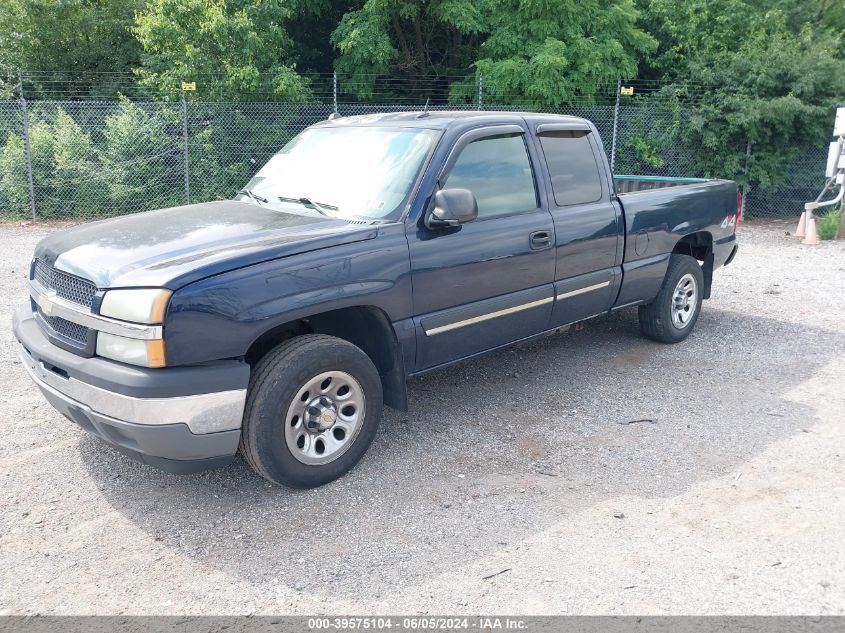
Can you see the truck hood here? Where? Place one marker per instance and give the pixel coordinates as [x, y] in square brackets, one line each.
[173, 247]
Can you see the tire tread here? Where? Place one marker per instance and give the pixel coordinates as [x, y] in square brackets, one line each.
[263, 373]
[652, 316]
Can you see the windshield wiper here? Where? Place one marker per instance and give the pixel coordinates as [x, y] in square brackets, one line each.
[323, 209]
[254, 196]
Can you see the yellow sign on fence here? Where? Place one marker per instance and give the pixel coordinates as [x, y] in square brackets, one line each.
[189, 85]
[626, 91]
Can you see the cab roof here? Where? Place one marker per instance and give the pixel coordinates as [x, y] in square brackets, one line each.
[443, 119]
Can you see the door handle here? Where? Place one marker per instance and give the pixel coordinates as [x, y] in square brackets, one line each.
[540, 240]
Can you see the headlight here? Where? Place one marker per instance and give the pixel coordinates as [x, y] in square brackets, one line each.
[135, 351]
[140, 305]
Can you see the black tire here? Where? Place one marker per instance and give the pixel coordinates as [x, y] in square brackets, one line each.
[656, 320]
[278, 379]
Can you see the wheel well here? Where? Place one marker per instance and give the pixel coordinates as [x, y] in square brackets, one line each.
[697, 245]
[700, 246]
[366, 327]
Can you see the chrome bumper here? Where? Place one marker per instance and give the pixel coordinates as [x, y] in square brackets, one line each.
[180, 419]
[202, 413]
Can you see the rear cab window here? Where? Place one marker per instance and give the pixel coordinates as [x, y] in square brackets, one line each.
[572, 166]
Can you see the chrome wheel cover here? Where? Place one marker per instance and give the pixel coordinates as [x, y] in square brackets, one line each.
[324, 418]
[684, 301]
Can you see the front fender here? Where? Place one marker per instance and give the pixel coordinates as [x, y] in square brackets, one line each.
[220, 317]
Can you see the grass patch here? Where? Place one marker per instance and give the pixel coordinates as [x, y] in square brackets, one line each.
[828, 225]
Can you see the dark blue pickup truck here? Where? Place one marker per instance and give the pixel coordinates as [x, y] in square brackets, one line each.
[369, 249]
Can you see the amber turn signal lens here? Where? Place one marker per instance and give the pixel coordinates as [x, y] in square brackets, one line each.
[155, 352]
[159, 307]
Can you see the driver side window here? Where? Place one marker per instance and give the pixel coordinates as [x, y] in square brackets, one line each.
[496, 169]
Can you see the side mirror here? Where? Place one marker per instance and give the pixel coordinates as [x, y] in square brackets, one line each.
[451, 208]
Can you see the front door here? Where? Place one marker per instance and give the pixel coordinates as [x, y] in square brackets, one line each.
[487, 282]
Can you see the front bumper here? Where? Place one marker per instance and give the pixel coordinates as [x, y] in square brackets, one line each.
[180, 419]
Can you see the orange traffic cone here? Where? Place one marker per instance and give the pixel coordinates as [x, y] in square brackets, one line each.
[802, 225]
[812, 236]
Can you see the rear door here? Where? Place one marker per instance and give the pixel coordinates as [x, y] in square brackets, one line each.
[487, 282]
[587, 220]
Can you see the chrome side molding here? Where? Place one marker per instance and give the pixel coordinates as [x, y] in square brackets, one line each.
[580, 291]
[489, 315]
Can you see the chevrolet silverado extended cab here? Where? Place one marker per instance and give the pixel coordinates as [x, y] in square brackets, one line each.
[368, 250]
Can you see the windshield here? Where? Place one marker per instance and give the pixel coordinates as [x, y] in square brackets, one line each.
[345, 172]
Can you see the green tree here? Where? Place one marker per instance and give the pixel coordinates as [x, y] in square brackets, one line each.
[67, 46]
[66, 169]
[536, 52]
[543, 53]
[311, 31]
[229, 144]
[235, 49]
[407, 38]
[760, 76]
[142, 158]
[14, 199]
[77, 178]
[209, 179]
[820, 14]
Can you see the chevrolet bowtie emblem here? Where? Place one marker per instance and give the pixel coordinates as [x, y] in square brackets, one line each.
[45, 302]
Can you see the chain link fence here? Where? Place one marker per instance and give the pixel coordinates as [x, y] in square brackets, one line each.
[70, 160]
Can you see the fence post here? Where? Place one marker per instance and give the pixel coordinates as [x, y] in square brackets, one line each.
[615, 125]
[334, 90]
[185, 149]
[480, 90]
[745, 185]
[27, 151]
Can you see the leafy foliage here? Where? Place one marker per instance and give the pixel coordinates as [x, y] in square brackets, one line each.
[407, 38]
[536, 52]
[13, 185]
[64, 164]
[88, 37]
[230, 48]
[762, 82]
[129, 156]
[749, 85]
[828, 225]
[141, 146]
[77, 177]
[547, 52]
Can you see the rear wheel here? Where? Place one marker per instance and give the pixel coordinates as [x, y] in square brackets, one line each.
[313, 409]
[672, 315]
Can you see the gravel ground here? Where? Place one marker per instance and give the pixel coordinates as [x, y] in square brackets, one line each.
[515, 485]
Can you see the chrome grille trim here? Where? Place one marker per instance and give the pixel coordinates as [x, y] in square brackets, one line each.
[52, 305]
[69, 287]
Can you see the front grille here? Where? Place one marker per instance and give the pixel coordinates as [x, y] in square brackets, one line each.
[73, 331]
[66, 286]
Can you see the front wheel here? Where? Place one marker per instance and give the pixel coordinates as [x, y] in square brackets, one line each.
[312, 411]
[672, 315]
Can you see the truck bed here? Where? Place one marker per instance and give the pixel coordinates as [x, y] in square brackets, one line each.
[658, 212]
[632, 184]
